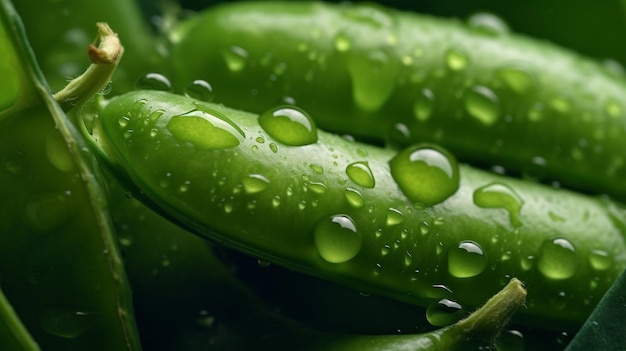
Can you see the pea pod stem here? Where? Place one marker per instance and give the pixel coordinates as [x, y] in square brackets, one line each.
[104, 60]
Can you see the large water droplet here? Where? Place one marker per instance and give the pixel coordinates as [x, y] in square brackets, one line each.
[361, 174]
[206, 129]
[600, 260]
[558, 259]
[394, 217]
[289, 125]
[444, 312]
[254, 183]
[466, 260]
[426, 174]
[499, 195]
[200, 90]
[66, 322]
[337, 239]
[483, 104]
[235, 58]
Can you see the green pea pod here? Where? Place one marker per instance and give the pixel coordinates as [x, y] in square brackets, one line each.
[61, 270]
[491, 97]
[401, 224]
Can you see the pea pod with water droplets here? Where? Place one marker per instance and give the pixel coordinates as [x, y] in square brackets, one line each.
[491, 97]
[402, 224]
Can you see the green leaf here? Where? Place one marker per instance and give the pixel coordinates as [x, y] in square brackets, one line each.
[606, 326]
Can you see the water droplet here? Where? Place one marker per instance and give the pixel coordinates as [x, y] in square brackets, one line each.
[558, 259]
[206, 129]
[424, 105]
[385, 250]
[254, 183]
[263, 263]
[600, 260]
[613, 109]
[488, 23]
[200, 90]
[337, 239]
[426, 174]
[342, 43]
[354, 198]
[166, 181]
[45, 211]
[58, 154]
[235, 58]
[394, 217]
[373, 79]
[123, 121]
[499, 195]
[517, 79]
[483, 104]
[456, 60]
[466, 260]
[154, 81]
[317, 168]
[276, 201]
[289, 125]
[527, 262]
[361, 174]
[317, 187]
[66, 322]
[274, 147]
[510, 340]
[444, 312]
[13, 162]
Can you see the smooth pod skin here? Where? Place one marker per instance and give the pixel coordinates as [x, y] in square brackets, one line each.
[218, 172]
[491, 97]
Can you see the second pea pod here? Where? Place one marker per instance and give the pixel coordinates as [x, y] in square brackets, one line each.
[490, 96]
[413, 225]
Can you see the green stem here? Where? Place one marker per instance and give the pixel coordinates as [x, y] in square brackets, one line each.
[104, 60]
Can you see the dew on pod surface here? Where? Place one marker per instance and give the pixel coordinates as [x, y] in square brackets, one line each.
[426, 174]
[354, 198]
[361, 174]
[488, 23]
[235, 58]
[66, 323]
[557, 259]
[206, 129]
[254, 183]
[482, 104]
[154, 81]
[516, 79]
[424, 105]
[456, 60]
[466, 260]
[337, 238]
[500, 195]
[200, 90]
[289, 125]
[444, 312]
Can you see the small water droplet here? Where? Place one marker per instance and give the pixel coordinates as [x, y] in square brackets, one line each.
[274, 147]
[456, 60]
[206, 129]
[482, 104]
[488, 23]
[426, 174]
[317, 168]
[510, 340]
[154, 81]
[361, 174]
[500, 195]
[289, 125]
[337, 238]
[600, 260]
[394, 217]
[613, 109]
[466, 260]
[424, 105]
[373, 79]
[342, 43]
[385, 250]
[276, 201]
[67, 323]
[235, 58]
[14, 162]
[354, 198]
[317, 187]
[558, 259]
[263, 263]
[517, 79]
[200, 90]
[254, 183]
[444, 312]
